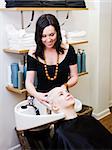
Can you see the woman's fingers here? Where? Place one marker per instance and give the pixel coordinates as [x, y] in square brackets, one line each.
[46, 104]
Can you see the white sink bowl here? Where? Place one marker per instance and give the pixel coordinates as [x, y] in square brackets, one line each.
[78, 105]
[26, 118]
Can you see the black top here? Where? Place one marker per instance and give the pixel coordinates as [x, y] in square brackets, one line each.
[83, 132]
[45, 85]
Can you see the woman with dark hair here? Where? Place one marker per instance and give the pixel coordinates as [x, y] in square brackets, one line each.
[55, 63]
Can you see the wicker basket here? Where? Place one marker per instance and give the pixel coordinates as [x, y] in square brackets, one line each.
[86, 110]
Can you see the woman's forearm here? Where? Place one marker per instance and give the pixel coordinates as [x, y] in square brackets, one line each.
[29, 83]
[31, 89]
[41, 97]
[72, 81]
[73, 76]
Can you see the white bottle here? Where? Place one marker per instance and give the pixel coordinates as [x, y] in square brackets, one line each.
[20, 80]
[9, 76]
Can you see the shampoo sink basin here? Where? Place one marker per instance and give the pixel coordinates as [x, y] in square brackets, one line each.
[32, 114]
[26, 118]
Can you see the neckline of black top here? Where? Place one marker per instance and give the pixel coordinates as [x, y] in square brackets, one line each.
[51, 65]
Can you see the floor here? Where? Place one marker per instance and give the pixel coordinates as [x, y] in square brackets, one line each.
[107, 122]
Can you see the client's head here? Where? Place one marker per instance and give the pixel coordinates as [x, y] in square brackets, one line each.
[60, 100]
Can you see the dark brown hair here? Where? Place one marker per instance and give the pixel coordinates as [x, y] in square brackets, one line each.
[42, 22]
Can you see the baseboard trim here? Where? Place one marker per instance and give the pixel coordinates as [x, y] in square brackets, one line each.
[15, 147]
[110, 103]
[102, 114]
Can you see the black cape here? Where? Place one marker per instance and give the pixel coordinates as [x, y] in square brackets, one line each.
[83, 132]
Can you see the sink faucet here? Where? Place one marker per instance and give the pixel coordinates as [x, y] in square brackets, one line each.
[31, 103]
[30, 100]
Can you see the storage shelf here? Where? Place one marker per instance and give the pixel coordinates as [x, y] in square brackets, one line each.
[7, 50]
[16, 51]
[82, 73]
[15, 90]
[78, 42]
[41, 9]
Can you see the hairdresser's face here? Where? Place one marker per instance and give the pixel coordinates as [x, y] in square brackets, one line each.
[62, 98]
[49, 36]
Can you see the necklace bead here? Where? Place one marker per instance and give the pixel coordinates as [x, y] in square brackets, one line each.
[56, 69]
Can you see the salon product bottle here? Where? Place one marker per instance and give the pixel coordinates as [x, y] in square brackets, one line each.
[21, 66]
[79, 60]
[83, 61]
[24, 71]
[9, 75]
[14, 74]
[20, 80]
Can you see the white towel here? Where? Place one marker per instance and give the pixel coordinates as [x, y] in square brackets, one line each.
[20, 39]
[76, 34]
[2, 4]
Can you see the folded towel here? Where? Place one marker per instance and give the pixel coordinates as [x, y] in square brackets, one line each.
[21, 47]
[13, 33]
[21, 41]
[2, 4]
[76, 34]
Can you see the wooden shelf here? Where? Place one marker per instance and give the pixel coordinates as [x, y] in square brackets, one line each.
[78, 42]
[82, 73]
[16, 51]
[41, 9]
[7, 50]
[15, 90]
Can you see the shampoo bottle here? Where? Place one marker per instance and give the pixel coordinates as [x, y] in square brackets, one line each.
[79, 61]
[14, 74]
[83, 61]
[20, 80]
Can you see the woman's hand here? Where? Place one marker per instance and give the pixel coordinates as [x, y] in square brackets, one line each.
[65, 86]
[42, 98]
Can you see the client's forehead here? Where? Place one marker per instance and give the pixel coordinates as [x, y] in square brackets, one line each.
[56, 90]
[54, 93]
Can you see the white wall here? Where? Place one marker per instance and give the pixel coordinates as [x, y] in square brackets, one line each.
[111, 67]
[8, 100]
[93, 89]
[97, 83]
[104, 54]
[110, 102]
[100, 29]
[80, 22]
